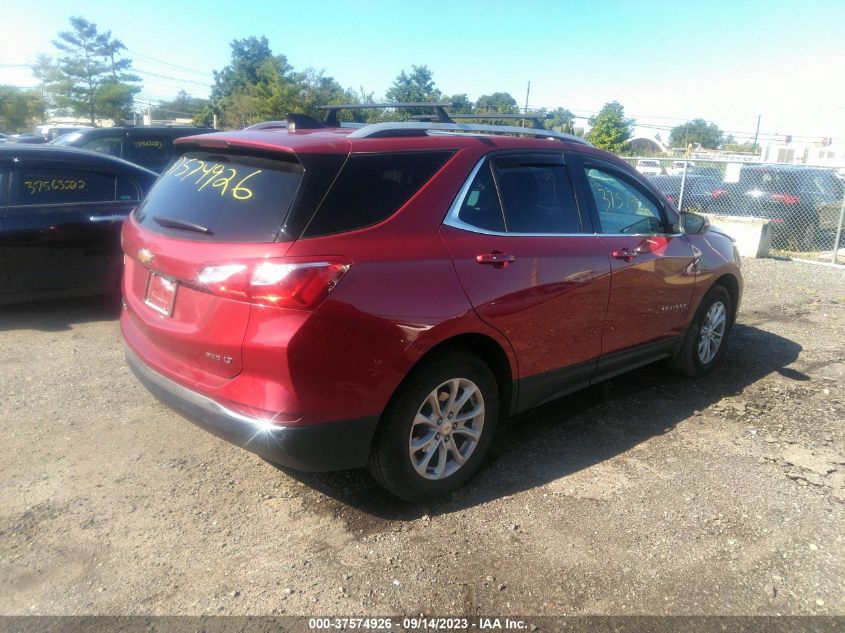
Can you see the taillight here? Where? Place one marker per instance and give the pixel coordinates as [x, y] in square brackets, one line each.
[671, 199]
[718, 193]
[273, 282]
[785, 198]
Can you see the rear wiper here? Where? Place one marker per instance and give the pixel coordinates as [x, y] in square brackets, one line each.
[173, 223]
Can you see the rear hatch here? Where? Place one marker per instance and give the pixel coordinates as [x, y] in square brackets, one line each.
[208, 219]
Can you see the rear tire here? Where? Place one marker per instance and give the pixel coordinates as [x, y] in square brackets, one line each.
[437, 429]
[707, 336]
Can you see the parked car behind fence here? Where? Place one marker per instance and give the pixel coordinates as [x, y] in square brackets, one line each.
[803, 203]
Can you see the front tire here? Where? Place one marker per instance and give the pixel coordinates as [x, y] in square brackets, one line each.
[437, 429]
[707, 335]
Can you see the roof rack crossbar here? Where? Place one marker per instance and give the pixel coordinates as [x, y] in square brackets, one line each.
[536, 118]
[408, 128]
[437, 106]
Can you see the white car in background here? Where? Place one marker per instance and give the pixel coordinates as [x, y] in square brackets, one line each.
[677, 167]
[649, 167]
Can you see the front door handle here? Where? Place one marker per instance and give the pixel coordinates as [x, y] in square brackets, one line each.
[497, 259]
[626, 254]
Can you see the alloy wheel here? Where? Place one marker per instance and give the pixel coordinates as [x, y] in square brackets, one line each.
[712, 332]
[446, 429]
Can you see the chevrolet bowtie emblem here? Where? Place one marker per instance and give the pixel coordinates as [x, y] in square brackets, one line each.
[145, 256]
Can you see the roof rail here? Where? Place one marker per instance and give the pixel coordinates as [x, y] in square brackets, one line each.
[536, 118]
[421, 128]
[437, 106]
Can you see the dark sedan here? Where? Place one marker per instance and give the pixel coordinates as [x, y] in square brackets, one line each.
[803, 203]
[150, 146]
[699, 191]
[61, 211]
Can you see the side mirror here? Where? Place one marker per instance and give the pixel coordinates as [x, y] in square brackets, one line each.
[693, 224]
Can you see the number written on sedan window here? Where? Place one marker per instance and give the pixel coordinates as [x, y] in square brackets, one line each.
[55, 184]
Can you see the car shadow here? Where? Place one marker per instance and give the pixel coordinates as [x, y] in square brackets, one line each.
[574, 432]
[58, 316]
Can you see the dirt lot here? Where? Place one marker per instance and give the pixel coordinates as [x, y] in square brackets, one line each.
[650, 494]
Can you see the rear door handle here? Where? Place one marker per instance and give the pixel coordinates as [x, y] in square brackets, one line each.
[626, 254]
[497, 259]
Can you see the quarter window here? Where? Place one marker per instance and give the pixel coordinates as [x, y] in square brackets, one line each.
[370, 188]
[621, 207]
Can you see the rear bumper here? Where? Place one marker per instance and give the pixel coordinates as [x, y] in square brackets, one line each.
[314, 447]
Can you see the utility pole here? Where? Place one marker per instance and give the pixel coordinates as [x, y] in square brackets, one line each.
[527, 92]
[756, 133]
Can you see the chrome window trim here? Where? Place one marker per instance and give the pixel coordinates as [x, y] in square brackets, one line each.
[455, 222]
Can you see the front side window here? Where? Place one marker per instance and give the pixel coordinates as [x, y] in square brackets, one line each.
[621, 207]
[37, 186]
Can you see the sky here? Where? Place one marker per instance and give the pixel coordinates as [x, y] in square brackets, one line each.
[666, 62]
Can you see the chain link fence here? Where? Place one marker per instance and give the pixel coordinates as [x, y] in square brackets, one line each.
[804, 205]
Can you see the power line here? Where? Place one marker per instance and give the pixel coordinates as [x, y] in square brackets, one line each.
[167, 64]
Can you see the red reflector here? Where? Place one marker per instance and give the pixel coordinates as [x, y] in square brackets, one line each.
[671, 199]
[717, 193]
[273, 282]
[786, 198]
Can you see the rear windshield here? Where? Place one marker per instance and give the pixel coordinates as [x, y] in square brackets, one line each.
[221, 198]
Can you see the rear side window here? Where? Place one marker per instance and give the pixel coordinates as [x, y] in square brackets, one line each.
[147, 149]
[481, 205]
[37, 186]
[370, 188]
[222, 198]
[538, 198]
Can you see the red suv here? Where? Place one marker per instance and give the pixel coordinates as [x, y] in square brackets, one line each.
[332, 297]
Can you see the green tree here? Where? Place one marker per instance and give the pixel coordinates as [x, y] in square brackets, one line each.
[18, 108]
[316, 89]
[696, 131]
[414, 87]
[256, 85]
[563, 120]
[460, 104]
[501, 102]
[182, 106]
[91, 61]
[117, 93]
[609, 129]
[247, 67]
[47, 73]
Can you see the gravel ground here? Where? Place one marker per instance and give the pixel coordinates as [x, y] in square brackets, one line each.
[649, 494]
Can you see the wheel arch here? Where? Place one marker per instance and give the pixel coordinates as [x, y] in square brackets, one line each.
[487, 349]
[730, 283]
